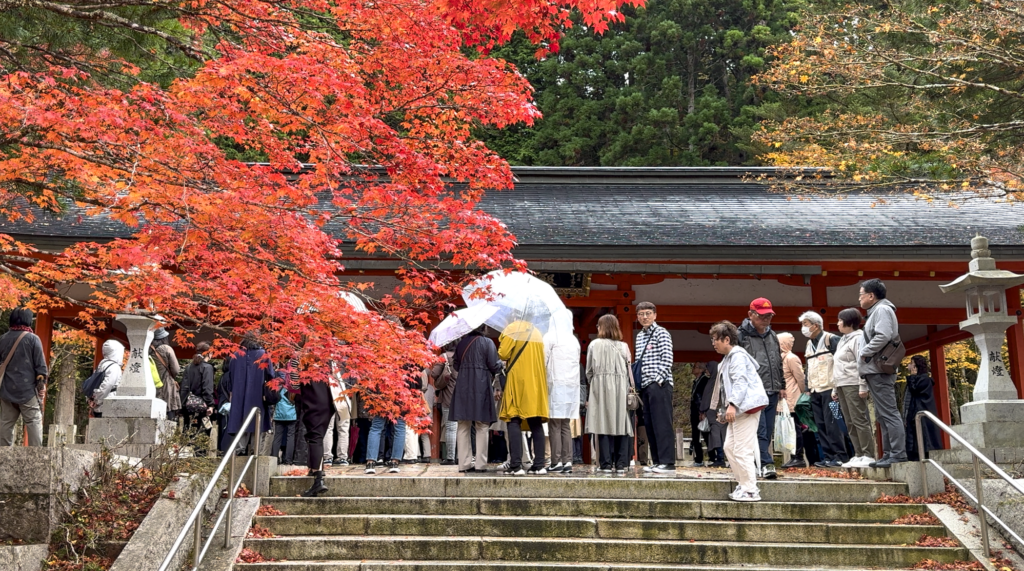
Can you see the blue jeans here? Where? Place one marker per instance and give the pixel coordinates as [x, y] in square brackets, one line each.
[377, 425]
[766, 428]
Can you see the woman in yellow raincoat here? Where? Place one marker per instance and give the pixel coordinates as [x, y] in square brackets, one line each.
[525, 396]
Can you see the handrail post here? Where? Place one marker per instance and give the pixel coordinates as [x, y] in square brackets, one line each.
[920, 452]
[256, 451]
[231, 485]
[980, 486]
[197, 548]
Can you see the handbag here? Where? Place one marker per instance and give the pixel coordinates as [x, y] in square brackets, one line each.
[194, 405]
[632, 396]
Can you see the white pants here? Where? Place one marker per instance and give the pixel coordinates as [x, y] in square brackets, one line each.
[742, 449]
[465, 447]
[343, 427]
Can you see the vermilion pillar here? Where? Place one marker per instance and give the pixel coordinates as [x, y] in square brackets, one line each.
[937, 356]
[1015, 340]
[44, 329]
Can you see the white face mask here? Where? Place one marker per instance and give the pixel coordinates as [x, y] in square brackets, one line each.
[806, 331]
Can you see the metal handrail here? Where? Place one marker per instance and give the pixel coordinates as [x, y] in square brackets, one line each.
[196, 518]
[978, 458]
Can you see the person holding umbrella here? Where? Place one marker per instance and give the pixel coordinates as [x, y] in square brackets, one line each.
[525, 394]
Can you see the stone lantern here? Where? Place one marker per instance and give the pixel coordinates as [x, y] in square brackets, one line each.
[996, 417]
[133, 417]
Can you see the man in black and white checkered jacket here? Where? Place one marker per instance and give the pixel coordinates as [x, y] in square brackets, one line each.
[654, 351]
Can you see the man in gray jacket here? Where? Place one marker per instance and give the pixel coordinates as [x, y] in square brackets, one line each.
[757, 337]
[880, 329]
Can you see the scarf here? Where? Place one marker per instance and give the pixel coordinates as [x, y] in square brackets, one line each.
[21, 328]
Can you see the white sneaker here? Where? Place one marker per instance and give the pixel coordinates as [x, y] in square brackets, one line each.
[648, 469]
[555, 468]
[663, 469]
[567, 468]
[747, 497]
[519, 472]
[736, 492]
[863, 462]
[852, 463]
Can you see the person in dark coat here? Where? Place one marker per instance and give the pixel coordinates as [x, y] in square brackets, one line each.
[23, 382]
[316, 403]
[920, 395]
[700, 383]
[716, 436]
[198, 381]
[472, 406]
[249, 372]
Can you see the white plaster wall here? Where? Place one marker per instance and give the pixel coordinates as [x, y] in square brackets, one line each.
[901, 293]
[722, 292]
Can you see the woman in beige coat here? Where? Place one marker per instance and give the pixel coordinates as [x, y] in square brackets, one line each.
[793, 371]
[610, 377]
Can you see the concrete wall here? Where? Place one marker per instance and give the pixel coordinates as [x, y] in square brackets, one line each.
[34, 482]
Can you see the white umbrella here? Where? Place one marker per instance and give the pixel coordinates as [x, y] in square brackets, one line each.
[461, 322]
[518, 297]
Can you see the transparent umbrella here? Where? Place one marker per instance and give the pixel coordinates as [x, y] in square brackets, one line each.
[518, 297]
[461, 322]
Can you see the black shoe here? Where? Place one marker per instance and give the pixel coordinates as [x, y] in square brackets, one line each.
[447, 462]
[794, 463]
[822, 464]
[716, 465]
[318, 488]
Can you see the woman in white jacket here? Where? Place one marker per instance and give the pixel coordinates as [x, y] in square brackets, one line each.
[739, 397]
[851, 390]
[113, 356]
[562, 362]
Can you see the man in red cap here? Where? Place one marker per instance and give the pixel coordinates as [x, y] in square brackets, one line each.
[757, 337]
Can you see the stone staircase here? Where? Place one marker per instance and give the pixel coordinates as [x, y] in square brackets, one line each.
[576, 523]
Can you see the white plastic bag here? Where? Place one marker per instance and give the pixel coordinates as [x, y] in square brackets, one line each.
[785, 430]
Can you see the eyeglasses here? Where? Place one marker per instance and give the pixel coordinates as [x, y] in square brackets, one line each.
[863, 293]
[647, 313]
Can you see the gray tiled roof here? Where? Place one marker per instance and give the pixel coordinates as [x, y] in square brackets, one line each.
[678, 207]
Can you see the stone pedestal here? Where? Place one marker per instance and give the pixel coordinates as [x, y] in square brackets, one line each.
[992, 424]
[117, 431]
[61, 435]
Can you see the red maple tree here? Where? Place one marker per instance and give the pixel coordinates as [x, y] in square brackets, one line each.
[317, 90]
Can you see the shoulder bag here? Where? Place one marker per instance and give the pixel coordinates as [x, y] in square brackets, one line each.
[890, 355]
[632, 396]
[638, 365]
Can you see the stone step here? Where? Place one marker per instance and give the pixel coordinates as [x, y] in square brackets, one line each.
[962, 456]
[548, 550]
[500, 566]
[653, 488]
[577, 527]
[966, 471]
[662, 509]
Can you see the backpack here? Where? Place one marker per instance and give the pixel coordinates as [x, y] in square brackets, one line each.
[94, 381]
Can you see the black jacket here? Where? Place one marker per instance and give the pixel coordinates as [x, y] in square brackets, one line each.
[765, 350]
[198, 381]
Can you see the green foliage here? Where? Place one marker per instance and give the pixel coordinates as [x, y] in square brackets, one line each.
[668, 87]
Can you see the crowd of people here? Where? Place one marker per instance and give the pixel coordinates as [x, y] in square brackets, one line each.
[532, 401]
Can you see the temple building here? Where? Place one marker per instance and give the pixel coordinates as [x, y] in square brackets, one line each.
[701, 243]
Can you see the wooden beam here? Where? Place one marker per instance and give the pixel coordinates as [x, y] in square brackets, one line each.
[938, 339]
[789, 315]
[601, 298]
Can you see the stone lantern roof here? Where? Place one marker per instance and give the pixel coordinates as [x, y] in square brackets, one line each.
[982, 271]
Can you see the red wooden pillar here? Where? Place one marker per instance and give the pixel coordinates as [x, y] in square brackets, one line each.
[937, 356]
[1015, 340]
[44, 329]
[97, 352]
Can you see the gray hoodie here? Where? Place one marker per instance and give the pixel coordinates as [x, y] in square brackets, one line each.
[880, 329]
